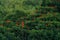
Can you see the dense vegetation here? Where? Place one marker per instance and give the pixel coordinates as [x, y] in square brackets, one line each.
[29, 20]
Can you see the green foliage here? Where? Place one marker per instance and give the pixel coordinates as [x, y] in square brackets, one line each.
[29, 20]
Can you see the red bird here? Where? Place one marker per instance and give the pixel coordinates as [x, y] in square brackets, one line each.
[22, 24]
